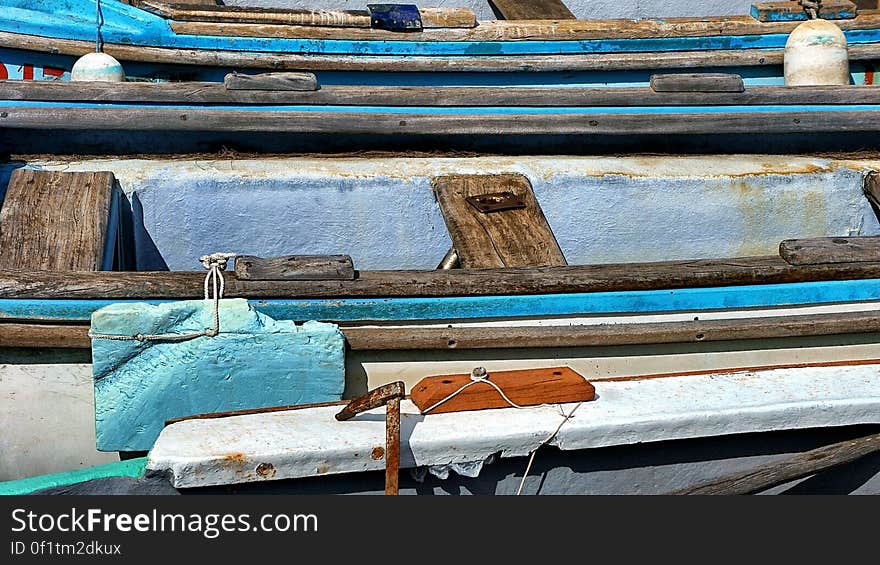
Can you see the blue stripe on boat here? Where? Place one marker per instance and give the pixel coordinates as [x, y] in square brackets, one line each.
[476, 307]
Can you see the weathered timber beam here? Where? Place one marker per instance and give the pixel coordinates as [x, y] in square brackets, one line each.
[488, 124]
[790, 469]
[459, 282]
[531, 10]
[496, 63]
[210, 93]
[15, 334]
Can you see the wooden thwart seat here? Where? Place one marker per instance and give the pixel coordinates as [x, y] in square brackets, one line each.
[57, 221]
[495, 221]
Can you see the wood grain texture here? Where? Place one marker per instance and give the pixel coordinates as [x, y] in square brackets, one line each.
[510, 238]
[295, 268]
[790, 469]
[392, 123]
[458, 282]
[496, 63]
[828, 10]
[477, 96]
[697, 82]
[871, 188]
[447, 17]
[271, 81]
[413, 338]
[531, 10]
[571, 30]
[192, 12]
[820, 250]
[55, 221]
[531, 387]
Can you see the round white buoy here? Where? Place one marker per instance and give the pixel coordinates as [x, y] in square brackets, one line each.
[97, 67]
[816, 54]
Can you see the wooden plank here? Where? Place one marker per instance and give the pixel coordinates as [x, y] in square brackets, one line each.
[458, 282]
[697, 82]
[820, 250]
[167, 119]
[799, 466]
[794, 11]
[414, 338]
[530, 387]
[295, 268]
[571, 30]
[193, 12]
[510, 238]
[496, 63]
[474, 96]
[56, 221]
[531, 10]
[448, 17]
[286, 81]
[871, 189]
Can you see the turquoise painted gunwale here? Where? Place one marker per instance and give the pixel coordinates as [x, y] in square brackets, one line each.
[133, 468]
[123, 24]
[483, 307]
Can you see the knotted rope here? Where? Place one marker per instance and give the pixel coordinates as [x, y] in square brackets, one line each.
[480, 375]
[811, 7]
[215, 263]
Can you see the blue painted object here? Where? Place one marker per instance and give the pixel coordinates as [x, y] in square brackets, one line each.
[254, 362]
[786, 14]
[476, 307]
[395, 17]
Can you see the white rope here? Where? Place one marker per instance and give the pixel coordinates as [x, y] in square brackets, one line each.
[811, 7]
[480, 375]
[215, 263]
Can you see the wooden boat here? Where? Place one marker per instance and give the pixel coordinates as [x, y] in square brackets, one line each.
[677, 311]
[536, 44]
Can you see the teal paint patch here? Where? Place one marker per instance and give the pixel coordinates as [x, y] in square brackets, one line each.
[254, 362]
[132, 468]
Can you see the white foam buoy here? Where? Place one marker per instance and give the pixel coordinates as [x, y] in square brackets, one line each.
[97, 67]
[816, 54]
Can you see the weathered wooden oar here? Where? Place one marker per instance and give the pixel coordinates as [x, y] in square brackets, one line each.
[797, 467]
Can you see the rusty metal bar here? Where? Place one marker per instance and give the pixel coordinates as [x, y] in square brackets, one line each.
[392, 447]
[373, 399]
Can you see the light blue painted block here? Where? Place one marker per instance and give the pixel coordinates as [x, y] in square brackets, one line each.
[254, 362]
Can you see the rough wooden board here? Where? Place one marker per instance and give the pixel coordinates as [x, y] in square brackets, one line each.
[295, 268]
[456, 63]
[531, 387]
[531, 10]
[271, 81]
[511, 238]
[571, 30]
[788, 11]
[821, 250]
[476, 96]
[447, 17]
[56, 221]
[790, 469]
[167, 119]
[457, 282]
[414, 338]
[194, 12]
[872, 191]
[697, 82]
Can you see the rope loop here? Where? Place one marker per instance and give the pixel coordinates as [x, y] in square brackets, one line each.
[215, 263]
[811, 7]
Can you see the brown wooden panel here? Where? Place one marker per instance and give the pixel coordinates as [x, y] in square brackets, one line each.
[55, 221]
[530, 387]
[697, 82]
[447, 17]
[509, 238]
[295, 268]
[531, 10]
[271, 81]
[819, 250]
[828, 10]
[210, 12]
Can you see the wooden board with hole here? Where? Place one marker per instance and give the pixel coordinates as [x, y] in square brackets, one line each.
[529, 387]
[57, 221]
[515, 235]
